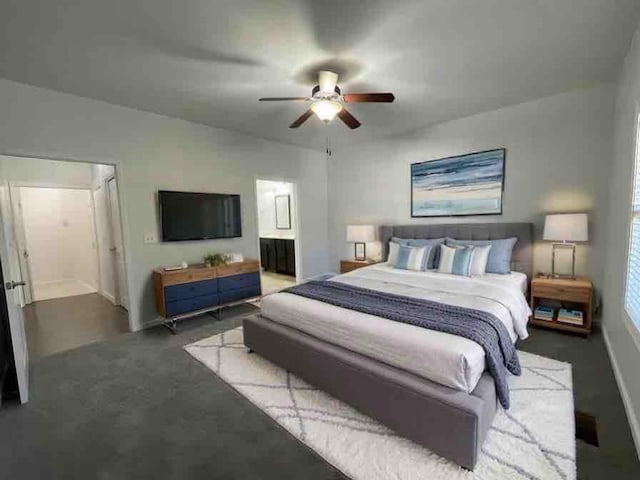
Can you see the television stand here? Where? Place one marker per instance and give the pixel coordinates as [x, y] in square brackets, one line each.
[197, 290]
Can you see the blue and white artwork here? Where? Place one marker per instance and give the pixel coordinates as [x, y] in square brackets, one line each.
[469, 184]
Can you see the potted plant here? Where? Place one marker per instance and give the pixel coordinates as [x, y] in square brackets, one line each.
[215, 259]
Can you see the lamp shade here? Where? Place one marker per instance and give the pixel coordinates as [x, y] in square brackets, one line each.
[361, 233]
[566, 227]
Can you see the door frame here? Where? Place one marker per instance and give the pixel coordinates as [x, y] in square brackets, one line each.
[135, 322]
[119, 288]
[14, 195]
[296, 203]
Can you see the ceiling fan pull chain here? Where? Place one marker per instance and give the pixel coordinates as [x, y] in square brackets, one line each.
[328, 150]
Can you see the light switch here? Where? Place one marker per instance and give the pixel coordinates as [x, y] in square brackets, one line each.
[150, 238]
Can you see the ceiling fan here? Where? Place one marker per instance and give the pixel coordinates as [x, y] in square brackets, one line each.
[327, 101]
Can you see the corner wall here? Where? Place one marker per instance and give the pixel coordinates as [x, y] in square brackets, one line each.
[153, 152]
[623, 338]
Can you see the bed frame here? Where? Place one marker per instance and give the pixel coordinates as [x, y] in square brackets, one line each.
[449, 422]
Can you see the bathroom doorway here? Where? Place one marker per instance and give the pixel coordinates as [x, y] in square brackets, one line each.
[278, 234]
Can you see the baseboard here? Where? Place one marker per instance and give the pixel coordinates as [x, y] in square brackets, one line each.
[626, 400]
[88, 285]
[111, 298]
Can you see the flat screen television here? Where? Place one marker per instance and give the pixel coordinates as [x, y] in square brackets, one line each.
[199, 216]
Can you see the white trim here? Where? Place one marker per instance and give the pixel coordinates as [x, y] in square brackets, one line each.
[108, 297]
[135, 322]
[88, 285]
[626, 399]
[632, 215]
[60, 186]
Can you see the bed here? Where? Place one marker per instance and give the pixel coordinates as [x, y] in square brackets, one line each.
[430, 386]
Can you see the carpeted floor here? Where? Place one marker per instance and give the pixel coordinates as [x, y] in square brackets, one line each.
[138, 406]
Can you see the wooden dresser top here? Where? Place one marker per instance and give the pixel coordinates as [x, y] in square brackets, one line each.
[200, 272]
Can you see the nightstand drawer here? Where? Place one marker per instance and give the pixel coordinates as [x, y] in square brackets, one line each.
[557, 292]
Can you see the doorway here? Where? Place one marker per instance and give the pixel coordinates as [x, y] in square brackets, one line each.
[63, 226]
[278, 234]
[59, 250]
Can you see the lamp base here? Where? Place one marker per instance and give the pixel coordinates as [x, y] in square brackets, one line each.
[572, 247]
[360, 251]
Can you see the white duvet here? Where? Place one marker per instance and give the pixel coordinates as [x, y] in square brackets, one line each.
[441, 357]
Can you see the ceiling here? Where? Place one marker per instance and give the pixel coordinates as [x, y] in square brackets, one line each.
[209, 61]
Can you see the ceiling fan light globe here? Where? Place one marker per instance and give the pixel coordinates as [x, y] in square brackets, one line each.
[326, 110]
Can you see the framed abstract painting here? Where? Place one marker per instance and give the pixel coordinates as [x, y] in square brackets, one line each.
[470, 184]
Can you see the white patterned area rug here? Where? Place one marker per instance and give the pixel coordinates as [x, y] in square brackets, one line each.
[533, 440]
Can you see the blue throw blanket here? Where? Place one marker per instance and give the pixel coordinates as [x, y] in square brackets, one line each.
[483, 328]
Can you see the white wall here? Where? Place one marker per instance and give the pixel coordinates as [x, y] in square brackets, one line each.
[58, 225]
[623, 337]
[557, 160]
[45, 172]
[157, 152]
[266, 191]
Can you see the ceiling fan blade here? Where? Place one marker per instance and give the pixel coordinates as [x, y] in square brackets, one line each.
[301, 119]
[284, 99]
[369, 97]
[327, 81]
[351, 121]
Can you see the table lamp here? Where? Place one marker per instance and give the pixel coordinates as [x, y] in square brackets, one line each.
[360, 234]
[564, 229]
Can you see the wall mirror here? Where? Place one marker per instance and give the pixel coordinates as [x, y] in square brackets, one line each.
[283, 212]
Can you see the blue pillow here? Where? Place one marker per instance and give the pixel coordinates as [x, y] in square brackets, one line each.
[434, 256]
[499, 256]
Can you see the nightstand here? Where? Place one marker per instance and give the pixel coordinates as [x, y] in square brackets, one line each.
[578, 293]
[349, 265]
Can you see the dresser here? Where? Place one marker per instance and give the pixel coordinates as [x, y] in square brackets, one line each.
[198, 289]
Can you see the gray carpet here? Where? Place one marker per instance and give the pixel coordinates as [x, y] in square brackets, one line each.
[596, 392]
[139, 406]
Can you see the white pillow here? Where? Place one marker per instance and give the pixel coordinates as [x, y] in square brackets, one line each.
[394, 248]
[479, 260]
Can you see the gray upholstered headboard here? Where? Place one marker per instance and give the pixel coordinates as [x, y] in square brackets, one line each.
[521, 261]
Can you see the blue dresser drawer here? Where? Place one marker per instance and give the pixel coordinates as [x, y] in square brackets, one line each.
[190, 290]
[239, 294]
[178, 307]
[239, 281]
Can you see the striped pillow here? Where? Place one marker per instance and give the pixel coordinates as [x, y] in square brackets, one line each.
[412, 258]
[456, 260]
[479, 260]
[393, 253]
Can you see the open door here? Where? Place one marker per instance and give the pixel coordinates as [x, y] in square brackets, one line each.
[13, 285]
[19, 243]
[117, 249]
